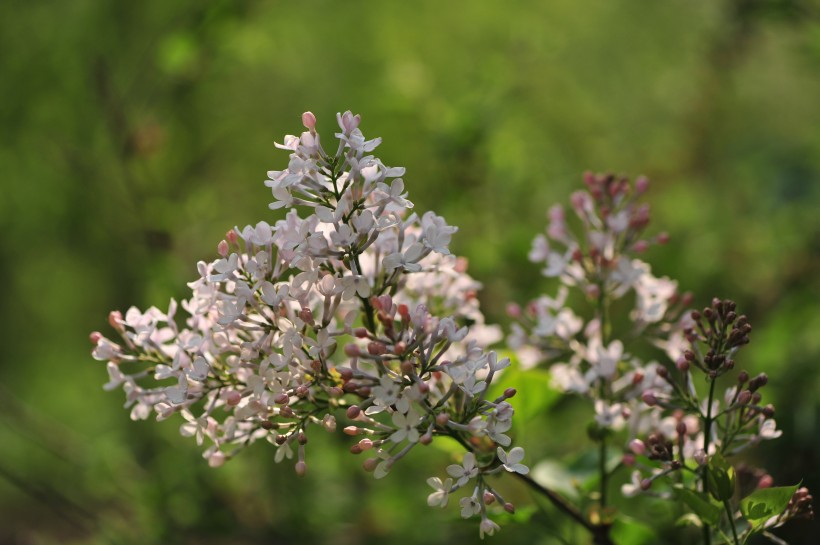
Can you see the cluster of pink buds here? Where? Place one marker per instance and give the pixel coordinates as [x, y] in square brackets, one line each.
[357, 312]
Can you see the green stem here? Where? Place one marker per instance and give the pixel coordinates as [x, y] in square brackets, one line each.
[731, 521]
[603, 312]
[707, 428]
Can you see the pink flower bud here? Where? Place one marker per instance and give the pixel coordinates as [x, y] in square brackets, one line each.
[700, 457]
[352, 351]
[628, 459]
[370, 464]
[281, 399]
[351, 430]
[115, 319]
[95, 337]
[640, 246]
[442, 419]
[232, 398]
[637, 446]
[426, 439]
[641, 184]
[682, 364]
[646, 484]
[509, 508]
[309, 120]
[365, 444]
[232, 236]
[649, 398]
[744, 397]
[513, 310]
[766, 481]
[407, 367]
[222, 248]
[376, 348]
[510, 392]
[353, 412]
[300, 468]
[662, 238]
[488, 498]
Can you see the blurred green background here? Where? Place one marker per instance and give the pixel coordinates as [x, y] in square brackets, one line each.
[134, 134]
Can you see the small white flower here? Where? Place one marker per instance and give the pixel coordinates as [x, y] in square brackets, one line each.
[511, 460]
[464, 472]
[469, 506]
[487, 527]
[441, 496]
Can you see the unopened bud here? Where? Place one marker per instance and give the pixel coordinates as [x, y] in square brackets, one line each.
[353, 412]
[232, 236]
[365, 444]
[370, 464]
[637, 446]
[681, 428]
[649, 398]
[302, 438]
[641, 184]
[95, 337]
[352, 350]
[513, 310]
[426, 439]
[115, 319]
[281, 399]
[662, 238]
[351, 430]
[646, 484]
[510, 392]
[744, 397]
[509, 508]
[232, 398]
[407, 367]
[700, 457]
[640, 246]
[222, 248]
[376, 348]
[306, 315]
[309, 120]
[300, 468]
[488, 498]
[442, 419]
[682, 364]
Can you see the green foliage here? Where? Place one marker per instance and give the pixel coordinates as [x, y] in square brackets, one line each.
[765, 503]
[704, 507]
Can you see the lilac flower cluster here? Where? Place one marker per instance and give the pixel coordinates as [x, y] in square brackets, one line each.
[599, 262]
[670, 425]
[356, 312]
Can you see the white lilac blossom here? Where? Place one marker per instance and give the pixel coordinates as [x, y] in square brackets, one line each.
[584, 354]
[356, 311]
[669, 421]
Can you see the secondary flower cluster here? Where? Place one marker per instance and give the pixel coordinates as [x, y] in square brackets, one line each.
[587, 354]
[357, 311]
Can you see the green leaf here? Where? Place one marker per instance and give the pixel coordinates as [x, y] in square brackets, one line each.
[765, 503]
[628, 531]
[689, 519]
[535, 394]
[708, 511]
[721, 478]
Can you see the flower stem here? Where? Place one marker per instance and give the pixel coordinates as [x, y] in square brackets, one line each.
[707, 429]
[731, 521]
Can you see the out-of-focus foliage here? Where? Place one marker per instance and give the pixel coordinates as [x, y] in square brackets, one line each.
[133, 134]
